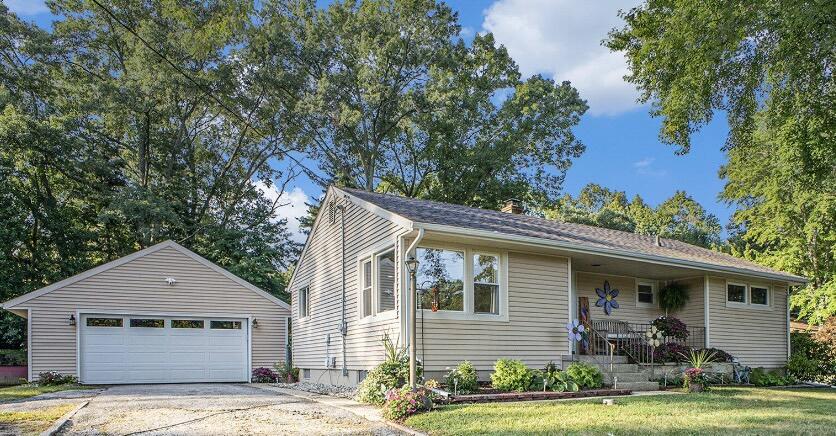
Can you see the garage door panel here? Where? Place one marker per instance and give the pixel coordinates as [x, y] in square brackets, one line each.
[163, 354]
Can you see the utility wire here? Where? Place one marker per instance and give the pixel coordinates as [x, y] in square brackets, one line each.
[310, 173]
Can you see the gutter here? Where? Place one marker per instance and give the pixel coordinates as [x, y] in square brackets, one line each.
[622, 254]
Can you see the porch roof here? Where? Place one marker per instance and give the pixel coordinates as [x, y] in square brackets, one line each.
[451, 218]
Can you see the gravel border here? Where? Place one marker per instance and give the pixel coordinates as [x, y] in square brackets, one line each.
[319, 388]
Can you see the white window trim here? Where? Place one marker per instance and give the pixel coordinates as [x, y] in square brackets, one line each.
[299, 316]
[467, 313]
[654, 288]
[748, 294]
[372, 254]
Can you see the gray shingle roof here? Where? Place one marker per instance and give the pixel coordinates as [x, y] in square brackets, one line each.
[579, 235]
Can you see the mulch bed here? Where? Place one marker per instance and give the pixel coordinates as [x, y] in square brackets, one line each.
[495, 396]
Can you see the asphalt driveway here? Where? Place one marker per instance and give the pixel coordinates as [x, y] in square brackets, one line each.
[212, 409]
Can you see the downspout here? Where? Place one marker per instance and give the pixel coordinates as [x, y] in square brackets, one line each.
[789, 336]
[343, 325]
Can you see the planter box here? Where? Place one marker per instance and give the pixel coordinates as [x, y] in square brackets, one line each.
[11, 375]
[534, 396]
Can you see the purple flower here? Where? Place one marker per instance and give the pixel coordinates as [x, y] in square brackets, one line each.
[575, 329]
[606, 298]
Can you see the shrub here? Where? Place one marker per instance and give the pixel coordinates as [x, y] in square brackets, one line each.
[557, 380]
[670, 352]
[404, 402]
[12, 357]
[586, 375]
[512, 375]
[392, 373]
[671, 327]
[462, 379]
[760, 377]
[285, 372]
[55, 378]
[699, 358]
[814, 355]
[264, 375]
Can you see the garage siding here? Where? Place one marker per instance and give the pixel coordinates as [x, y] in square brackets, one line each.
[139, 287]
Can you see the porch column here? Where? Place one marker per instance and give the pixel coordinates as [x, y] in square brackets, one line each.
[706, 304]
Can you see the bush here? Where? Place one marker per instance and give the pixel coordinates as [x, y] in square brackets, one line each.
[12, 357]
[55, 378]
[557, 380]
[404, 402]
[393, 373]
[812, 358]
[264, 375]
[586, 375]
[512, 375]
[462, 379]
[286, 373]
[670, 352]
[760, 377]
[671, 327]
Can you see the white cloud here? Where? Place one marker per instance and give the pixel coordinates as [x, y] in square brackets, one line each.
[562, 38]
[27, 7]
[291, 206]
[645, 167]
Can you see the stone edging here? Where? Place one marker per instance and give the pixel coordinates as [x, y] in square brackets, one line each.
[364, 411]
[536, 396]
[56, 426]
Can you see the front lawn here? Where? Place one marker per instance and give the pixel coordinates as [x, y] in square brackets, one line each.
[722, 411]
[32, 421]
[25, 391]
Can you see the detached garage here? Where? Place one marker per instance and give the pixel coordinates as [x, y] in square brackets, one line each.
[161, 315]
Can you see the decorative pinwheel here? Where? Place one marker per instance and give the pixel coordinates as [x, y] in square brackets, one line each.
[606, 298]
[576, 330]
[654, 336]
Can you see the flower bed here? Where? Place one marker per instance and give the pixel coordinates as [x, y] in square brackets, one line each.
[490, 395]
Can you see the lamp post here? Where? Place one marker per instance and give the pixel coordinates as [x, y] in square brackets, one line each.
[412, 267]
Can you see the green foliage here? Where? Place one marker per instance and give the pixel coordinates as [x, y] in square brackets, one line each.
[464, 377]
[557, 380]
[12, 357]
[748, 60]
[421, 114]
[393, 373]
[813, 357]
[673, 297]
[55, 378]
[760, 377]
[586, 375]
[679, 217]
[699, 358]
[286, 373]
[512, 375]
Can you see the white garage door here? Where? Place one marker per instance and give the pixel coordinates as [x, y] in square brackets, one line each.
[155, 349]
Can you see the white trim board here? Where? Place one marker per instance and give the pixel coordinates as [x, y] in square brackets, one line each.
[139, 254]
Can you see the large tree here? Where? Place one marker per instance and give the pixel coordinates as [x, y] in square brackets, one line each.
[768, 65]
[393, 99]
[679, 217]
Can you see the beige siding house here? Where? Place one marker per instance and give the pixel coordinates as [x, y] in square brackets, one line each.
[161, 315]
[504, 284]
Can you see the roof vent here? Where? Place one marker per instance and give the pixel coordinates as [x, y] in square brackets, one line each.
[514, 206]
[658, 241]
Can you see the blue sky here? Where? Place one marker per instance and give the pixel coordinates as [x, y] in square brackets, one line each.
[561, 39]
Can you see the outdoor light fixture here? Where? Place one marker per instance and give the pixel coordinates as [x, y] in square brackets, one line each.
[411, 265]
[255, 323]
[72, 319]
[170, 280]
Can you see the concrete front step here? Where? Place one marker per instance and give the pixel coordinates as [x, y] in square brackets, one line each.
[639, 386]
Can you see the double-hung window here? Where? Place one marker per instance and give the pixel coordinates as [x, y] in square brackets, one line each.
[366, 287]
[304, 302]
[645, 293]
[486, 283]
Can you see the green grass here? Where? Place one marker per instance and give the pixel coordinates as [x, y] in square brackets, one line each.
[25, 391]
[721, 411]
[33, 421]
